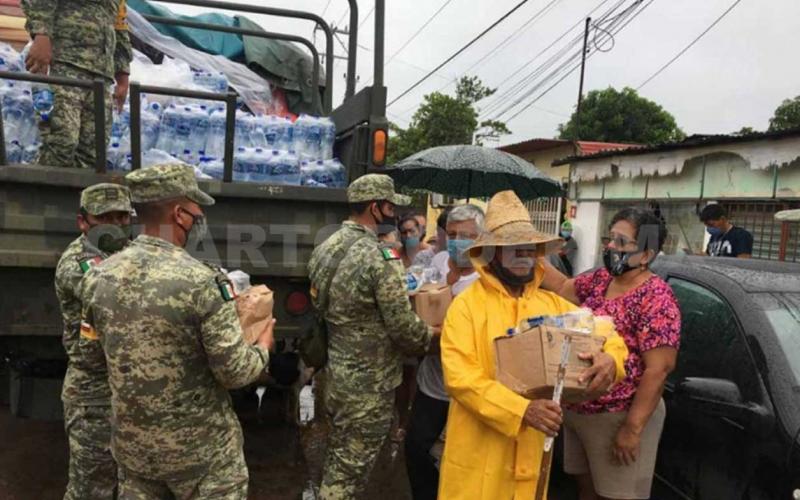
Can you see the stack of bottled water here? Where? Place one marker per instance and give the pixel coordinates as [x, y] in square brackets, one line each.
[24, 106]
[212, 81]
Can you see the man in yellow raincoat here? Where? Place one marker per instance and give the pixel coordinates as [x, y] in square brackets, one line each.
[495, 437]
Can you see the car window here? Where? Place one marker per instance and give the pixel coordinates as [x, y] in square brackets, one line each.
[783, 313]
[712, 343]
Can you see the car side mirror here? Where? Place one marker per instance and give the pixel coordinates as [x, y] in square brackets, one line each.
[722, 398]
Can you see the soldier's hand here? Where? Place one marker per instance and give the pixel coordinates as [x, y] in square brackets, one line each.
[40, 55]
[267, 338]
[120, 90]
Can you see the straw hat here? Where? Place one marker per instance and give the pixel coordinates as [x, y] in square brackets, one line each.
[508, 223]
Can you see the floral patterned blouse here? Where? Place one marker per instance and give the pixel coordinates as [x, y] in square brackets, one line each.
[646, 317]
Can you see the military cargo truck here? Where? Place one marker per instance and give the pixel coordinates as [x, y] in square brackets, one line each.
[266, 230]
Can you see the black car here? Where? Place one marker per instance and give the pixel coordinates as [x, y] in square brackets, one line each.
[733, 401]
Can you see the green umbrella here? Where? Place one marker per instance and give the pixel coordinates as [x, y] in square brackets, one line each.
[472, 172]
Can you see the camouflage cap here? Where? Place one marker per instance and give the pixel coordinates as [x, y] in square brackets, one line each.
[373, 187]
[106, 197]
[163, 182]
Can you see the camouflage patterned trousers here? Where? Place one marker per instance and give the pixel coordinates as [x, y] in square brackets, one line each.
[360, 423]
[223, 482]
[92, 470]
[68, 140]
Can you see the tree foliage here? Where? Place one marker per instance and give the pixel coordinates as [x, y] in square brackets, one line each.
[786, 116]
[444, 120]
[611, 115]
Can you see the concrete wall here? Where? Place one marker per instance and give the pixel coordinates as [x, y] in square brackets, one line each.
[543, 160]
[587, 232]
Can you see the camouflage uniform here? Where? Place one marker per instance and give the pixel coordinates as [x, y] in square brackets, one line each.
[87, 408]
[371, 328]
[173, 346]
[90, 40]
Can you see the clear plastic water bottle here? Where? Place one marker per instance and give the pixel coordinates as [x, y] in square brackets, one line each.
[200, 127]
[42, 100]
[285, 168]
[286, 140]
[114, 157]
[273, 131]
[14, 152]
[219, 82]
[258, 131]
[337, 172]
[28, 130]
[308, 142]
[327, 138]
[241, 161]
[244, 124]
[183, 133]
[150, 129]
[30, 153]
[215, 142]
[259, 168]
[168, 129]
[212, 167]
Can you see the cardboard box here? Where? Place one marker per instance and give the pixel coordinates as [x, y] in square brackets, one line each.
[254, 307]
[431, 303]
[527, 363]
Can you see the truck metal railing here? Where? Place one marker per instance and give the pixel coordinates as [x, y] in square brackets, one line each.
[296, 14]
[98, 87]
[229, 99]
[260, 34]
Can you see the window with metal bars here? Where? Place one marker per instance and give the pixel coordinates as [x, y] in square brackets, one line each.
[772, 239]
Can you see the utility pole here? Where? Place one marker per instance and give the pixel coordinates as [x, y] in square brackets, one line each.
[580, 88]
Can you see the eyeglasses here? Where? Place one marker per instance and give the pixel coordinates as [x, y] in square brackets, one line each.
[619, 241]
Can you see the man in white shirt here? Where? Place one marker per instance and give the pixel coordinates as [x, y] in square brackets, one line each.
[429, 413]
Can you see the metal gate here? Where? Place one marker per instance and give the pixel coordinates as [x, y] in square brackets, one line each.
[772, 239]
[546, 214]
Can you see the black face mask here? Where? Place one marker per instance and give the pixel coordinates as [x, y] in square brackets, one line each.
[508, 278]
[109, 238]
[616, 262]
[387, 225]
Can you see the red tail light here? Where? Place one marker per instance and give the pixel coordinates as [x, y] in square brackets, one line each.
[297, 303]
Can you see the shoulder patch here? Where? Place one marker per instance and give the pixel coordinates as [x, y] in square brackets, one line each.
[225, 287]
[390, 254]
[87, 261]
[88, 332]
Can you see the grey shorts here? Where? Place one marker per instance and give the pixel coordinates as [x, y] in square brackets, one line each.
[587, 450]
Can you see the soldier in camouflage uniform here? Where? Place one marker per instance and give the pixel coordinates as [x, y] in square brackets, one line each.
[82, 39]
[86, 395]
[173, 346]
[371, 328]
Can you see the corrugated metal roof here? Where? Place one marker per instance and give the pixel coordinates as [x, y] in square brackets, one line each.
[694, 141]
[584, 147]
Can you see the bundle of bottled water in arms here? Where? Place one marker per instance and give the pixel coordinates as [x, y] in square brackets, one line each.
[26, 107]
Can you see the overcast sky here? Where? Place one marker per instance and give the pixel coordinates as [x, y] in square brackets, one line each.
[735, 76]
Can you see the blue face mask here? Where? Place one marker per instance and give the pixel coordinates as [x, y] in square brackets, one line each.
[713, 231]
[457, 251]
[411, 243]
[566, 234]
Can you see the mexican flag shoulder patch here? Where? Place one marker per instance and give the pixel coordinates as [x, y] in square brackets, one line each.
[226, 290]
[390, 254]
[87, 263]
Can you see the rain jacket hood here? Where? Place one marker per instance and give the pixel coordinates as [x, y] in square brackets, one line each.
[489, 452]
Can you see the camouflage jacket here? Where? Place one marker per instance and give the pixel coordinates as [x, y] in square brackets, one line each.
[86, 382]
[89, 34]
[173, 345]
[370, 322]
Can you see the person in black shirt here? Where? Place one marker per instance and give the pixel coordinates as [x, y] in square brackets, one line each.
[727, 240]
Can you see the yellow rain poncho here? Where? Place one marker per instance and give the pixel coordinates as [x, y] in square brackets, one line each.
[490, 453]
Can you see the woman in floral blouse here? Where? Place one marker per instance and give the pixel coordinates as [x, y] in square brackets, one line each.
[610, 444]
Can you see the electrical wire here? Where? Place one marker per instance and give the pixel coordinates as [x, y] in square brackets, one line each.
[507, 41]
[459, 51]
[420, 30]
[326, 8]
[629, 18]
[495, 102]
[366, 18]
[701, 35]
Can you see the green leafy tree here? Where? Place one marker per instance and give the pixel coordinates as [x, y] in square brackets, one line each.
[786, 116]
[746, 131]
[444, 120]
[611, 115]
